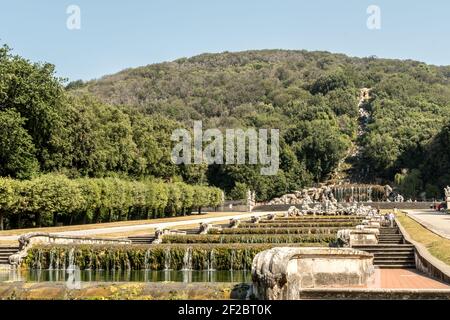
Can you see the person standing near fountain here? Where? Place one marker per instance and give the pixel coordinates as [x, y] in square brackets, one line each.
[391, 217]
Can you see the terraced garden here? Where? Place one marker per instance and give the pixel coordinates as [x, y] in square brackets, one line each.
[221, 248]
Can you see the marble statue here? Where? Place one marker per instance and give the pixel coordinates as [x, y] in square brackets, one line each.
[447, 192]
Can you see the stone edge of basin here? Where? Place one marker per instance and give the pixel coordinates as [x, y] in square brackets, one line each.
[275, 278]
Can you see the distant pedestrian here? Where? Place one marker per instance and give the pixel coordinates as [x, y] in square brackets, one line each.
[391, 218]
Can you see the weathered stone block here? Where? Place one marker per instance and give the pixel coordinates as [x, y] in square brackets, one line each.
[281, 273]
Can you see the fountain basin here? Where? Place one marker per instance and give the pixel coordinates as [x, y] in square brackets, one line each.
[281, 273]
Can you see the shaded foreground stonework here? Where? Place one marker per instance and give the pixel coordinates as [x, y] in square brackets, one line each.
[123, 291]
[281, 273]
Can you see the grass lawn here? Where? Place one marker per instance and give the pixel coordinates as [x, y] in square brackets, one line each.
[436, 245]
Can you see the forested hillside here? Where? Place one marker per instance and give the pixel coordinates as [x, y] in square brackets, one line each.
[120, 125]
[312, 98]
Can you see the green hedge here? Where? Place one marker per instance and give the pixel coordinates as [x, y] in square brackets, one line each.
[285, 220]
[319, 217]
[230, 238]
[324, 230]
[155, 257]
[52, 198]
[297, 225]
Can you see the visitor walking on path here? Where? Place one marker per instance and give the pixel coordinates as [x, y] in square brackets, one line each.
[391, 218]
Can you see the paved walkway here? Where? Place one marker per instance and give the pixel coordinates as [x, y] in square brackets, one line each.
[434, 221]
[406, 279]
[162, 225]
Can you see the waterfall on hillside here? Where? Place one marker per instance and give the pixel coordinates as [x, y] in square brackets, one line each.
[359, 193]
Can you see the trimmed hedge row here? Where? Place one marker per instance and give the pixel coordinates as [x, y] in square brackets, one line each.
[320, 230]
[52, 198]
[297, 225]
[283, 220]
[319, 217]
[155, 257]
[257, 238]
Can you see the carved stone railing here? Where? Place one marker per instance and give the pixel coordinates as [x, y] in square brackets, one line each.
[281, 273]
[28, 240]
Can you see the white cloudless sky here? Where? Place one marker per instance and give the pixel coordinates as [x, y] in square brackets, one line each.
[115, 35]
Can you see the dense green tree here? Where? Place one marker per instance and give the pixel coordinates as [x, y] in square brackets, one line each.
[117, 129]
[32, 90]
[17, 151]
[6, 198]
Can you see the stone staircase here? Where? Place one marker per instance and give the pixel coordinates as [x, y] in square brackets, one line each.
[141, 239]
[391, 250]
[390, 235]
[5, 252]
[149, 239]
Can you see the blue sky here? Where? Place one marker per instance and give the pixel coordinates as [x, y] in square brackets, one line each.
[119, 34]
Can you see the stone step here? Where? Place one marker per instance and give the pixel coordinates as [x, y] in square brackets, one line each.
[6, 254]
[395, 253]
[383, 248]
[390, 234]
[391, 242]
[396, 266]
[394, 258]
[141, 237]
[8, 251]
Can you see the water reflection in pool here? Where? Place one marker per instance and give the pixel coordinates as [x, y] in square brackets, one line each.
[126, 276]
